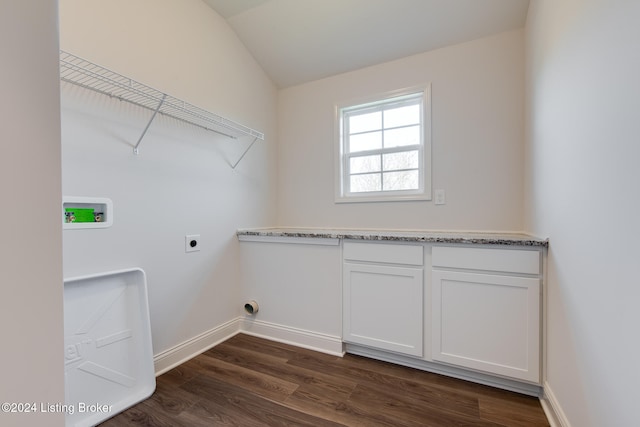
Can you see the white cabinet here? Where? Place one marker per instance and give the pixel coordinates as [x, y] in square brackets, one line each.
[383, 296]
[486, 310]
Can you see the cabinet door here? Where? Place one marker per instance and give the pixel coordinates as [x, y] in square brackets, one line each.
[383, 307]
[487, 322]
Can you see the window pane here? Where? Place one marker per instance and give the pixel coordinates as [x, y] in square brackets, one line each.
[365, 122]
[406, 180]
[382, 148]
[365, 183]
[403, 116]
[402, 137]
[365, 141]
[364, 164]
[401, 160]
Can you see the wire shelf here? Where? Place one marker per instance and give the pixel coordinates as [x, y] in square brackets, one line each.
[88, 75]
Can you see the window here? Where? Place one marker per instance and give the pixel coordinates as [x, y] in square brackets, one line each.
[383, 148]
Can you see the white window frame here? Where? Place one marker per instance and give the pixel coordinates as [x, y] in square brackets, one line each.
[342, 191]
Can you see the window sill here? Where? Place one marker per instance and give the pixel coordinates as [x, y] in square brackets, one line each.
[390, 198]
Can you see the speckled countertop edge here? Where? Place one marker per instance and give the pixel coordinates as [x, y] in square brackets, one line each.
[479, 238]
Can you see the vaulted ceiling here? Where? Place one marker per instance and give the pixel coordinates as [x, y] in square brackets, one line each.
[296, 41]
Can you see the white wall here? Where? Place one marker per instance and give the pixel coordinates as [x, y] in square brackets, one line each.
[32, 363]
[583, 64]
[299, 290]
[181, 182]
[477, 113]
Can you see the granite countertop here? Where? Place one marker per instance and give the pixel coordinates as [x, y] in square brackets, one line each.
[480, 238]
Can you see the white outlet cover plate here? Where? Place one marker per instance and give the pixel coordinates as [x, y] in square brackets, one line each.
[187, 243]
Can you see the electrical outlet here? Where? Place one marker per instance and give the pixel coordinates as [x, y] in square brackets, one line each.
[192, 243]
[440, 198]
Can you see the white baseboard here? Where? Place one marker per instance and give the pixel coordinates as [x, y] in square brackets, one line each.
[189, 349]
[552, 408]
[179, 354]
[298, 337]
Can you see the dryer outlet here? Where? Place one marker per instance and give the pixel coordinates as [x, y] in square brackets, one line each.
[192, 243]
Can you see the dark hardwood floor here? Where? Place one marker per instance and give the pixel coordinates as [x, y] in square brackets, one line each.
[248, 381]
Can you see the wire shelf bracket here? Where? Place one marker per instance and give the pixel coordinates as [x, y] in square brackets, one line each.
[146, 128]
[88, 75]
